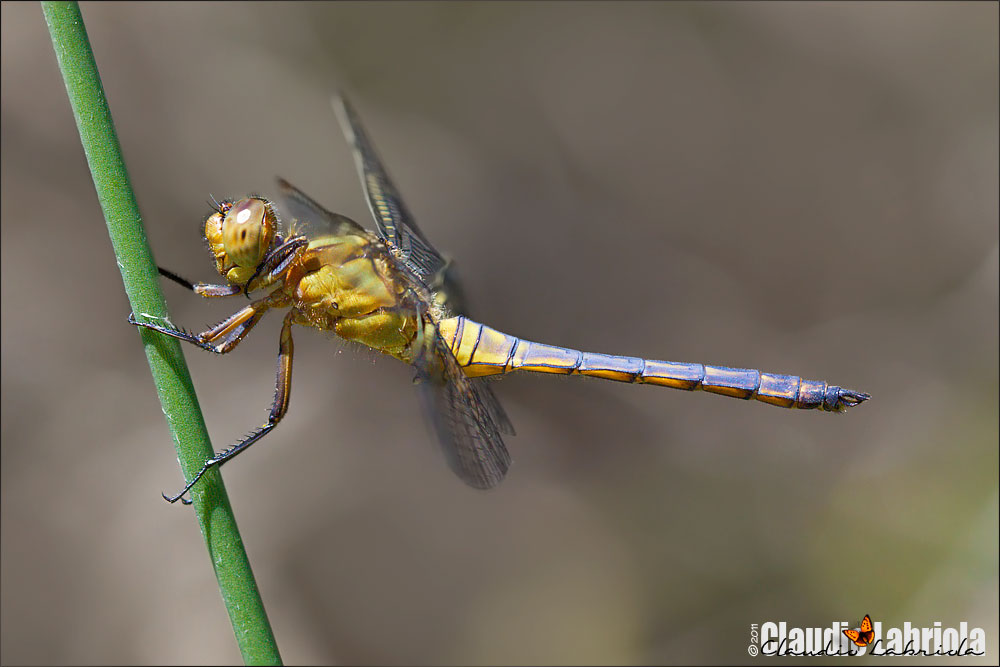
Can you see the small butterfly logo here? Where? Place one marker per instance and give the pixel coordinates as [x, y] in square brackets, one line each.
[864, 635]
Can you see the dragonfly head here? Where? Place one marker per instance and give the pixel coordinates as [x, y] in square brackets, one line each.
[239, 234]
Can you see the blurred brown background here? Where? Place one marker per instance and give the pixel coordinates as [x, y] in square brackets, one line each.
[808, 189]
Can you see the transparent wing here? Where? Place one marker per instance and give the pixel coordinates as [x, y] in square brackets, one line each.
[447, 290]
[468, 420]
[302, 215]
[395, 223]
[466, 414]
[492, 403]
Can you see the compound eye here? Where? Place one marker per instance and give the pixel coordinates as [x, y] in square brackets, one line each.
[243, 232]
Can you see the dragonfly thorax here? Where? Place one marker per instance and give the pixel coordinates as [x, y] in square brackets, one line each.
[346, 284]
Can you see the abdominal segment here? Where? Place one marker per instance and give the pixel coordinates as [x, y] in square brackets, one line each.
[482, 351]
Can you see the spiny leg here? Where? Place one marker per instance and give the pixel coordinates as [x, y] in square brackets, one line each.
[276, 262]
[204, 289]
[282, 393]
[225, 335]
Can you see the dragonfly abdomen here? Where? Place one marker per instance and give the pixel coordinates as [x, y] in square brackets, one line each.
[481, 351]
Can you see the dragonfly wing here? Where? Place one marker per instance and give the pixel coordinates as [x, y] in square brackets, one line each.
[395, 223]
[468, 420]
[447, 290]
[466, 415]
[310, 219]
[493, 406]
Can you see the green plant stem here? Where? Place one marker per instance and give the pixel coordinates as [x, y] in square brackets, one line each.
[166, 361]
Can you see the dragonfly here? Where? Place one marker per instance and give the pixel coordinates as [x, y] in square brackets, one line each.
[393, 291]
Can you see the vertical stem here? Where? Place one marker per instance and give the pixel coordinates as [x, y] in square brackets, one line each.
[166, 361]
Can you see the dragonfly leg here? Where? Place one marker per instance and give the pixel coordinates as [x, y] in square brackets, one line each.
[203, 289]
[282, 392]
[276, 262]
[225, 335]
